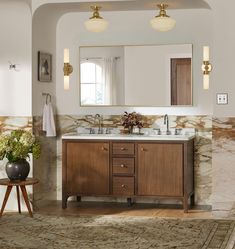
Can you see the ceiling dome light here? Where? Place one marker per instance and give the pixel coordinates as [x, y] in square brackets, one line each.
[96, 23]
[162, 22]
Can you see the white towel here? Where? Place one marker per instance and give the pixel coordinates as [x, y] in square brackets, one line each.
[48, 123]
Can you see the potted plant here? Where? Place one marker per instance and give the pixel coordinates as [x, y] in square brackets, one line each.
[16, 147]
[131, 120]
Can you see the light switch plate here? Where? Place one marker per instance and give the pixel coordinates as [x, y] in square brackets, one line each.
[222, 98]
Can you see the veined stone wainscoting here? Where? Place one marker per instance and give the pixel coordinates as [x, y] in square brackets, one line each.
[223, 198]
[203, 144]
[45, 167]
[8, 124]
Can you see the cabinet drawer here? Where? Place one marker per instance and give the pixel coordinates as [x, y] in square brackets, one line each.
[123, 148]
[123, 185]
[123, 165]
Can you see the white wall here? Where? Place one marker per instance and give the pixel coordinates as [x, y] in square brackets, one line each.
[133, 28]
[15, 46]
[222, 78]
[44, 39]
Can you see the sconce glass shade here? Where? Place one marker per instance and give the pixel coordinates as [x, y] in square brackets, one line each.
[206, 81]
[68, 69]
[66, 82]
[96, 23]
[162, 22]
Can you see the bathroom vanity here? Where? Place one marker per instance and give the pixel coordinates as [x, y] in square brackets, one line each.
[128, 166]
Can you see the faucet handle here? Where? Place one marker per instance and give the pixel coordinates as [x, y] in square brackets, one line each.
[108, 130]
[91, 130]
[178, 131]
[158, 131]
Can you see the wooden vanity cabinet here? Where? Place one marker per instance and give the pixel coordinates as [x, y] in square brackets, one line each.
[160, 169]
[156, 169]
[85, 169]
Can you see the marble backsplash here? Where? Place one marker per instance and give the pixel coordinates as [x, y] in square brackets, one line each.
[203, 144]
[223, 174]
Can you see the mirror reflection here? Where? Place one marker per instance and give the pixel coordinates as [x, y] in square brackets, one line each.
[152, 75]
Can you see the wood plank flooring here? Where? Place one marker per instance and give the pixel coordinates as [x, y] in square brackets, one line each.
[121, 209]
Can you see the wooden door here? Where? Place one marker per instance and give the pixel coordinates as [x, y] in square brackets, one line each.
[88, 168]
[160, 169]
[181, 81]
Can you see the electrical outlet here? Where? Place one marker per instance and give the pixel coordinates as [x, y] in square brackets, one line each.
[222, 99]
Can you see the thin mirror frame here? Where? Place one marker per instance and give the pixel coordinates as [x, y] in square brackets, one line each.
[121, 45]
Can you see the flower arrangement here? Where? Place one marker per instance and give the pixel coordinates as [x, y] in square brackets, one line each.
[131, 120]
[17, 145]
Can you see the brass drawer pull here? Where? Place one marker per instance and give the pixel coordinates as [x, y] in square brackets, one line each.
[142, 149]
[103, 148]
[123, 185]
[123, 148]
[123, 166]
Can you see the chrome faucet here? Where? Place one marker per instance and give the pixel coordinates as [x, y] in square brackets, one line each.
[166, 121]
[100, 121]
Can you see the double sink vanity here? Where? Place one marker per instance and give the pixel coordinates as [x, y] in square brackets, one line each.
[130, 166]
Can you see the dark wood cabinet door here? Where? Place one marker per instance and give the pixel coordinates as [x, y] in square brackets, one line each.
[160, 169]
[88, 168]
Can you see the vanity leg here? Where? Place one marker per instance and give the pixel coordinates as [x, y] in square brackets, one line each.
[79, 198]
[64, 202]
[185, 204]
[129, 202]
[192, 200]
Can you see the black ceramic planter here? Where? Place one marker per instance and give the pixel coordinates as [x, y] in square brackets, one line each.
[17, 170]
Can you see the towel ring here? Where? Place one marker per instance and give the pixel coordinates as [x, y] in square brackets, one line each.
[48, 96]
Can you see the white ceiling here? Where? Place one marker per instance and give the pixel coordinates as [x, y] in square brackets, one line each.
[122, 5]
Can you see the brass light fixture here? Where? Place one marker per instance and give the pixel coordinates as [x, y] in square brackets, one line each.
[206, 67]
[68, 69]
[162, 22]
[96, 23]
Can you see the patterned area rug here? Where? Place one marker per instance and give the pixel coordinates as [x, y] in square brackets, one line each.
[109, 232]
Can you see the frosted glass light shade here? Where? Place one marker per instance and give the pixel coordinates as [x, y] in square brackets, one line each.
[206, 81]
[206, 53]
[66, 55]
[66, 82]
[162, 23]
[96, 25]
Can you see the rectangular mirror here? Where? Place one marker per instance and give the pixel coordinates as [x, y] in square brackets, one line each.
[152, 75]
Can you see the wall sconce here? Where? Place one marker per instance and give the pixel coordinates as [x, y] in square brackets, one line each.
[68, 69]
[96, 23]
[162, 22]
[206, 67]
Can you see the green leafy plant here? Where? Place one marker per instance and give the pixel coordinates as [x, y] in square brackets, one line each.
[18, 145]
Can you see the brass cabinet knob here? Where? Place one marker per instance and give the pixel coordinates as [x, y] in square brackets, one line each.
[123, 185]
[123, 148]
[142, 149]
[123, 166]
[103, 148]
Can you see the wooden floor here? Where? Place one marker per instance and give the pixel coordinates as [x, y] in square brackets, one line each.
[121, 209]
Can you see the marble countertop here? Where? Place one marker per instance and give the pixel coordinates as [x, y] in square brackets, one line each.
[75, 136]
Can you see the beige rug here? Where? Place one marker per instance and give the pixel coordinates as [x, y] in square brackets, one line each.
[110, 232]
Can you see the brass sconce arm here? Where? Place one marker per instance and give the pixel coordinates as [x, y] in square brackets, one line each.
[206, 67]
[68, 69]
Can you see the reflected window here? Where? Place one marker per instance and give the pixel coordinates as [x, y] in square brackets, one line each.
[92, 85]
